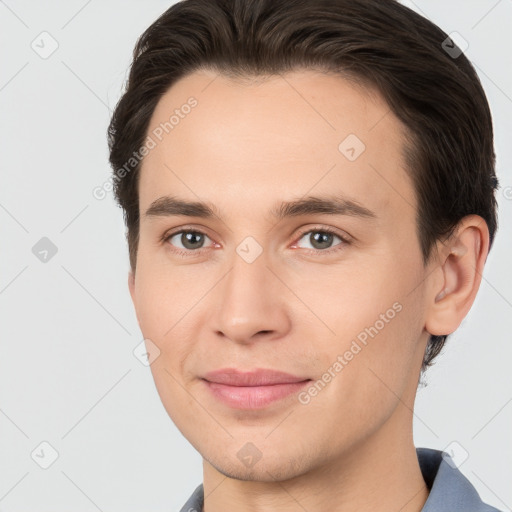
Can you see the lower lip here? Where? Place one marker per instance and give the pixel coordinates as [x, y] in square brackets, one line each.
[253, 397]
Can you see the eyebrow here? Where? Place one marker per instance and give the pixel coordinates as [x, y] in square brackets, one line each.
[167, 206]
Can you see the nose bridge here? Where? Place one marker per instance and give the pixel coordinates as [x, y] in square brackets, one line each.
[248, 303]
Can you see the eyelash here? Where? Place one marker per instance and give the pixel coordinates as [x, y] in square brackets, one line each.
[189, 252]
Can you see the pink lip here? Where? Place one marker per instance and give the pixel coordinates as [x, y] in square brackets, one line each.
[254, 389]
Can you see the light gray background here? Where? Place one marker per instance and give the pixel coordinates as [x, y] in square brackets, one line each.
[67, 372]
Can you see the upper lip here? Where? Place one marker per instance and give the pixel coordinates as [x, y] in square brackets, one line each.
[258, 377]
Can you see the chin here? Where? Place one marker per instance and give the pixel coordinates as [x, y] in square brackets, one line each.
[247, 464]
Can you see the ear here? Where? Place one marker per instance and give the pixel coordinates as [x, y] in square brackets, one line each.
[462, 260]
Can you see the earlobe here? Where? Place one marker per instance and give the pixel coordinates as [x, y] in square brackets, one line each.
[463, 259]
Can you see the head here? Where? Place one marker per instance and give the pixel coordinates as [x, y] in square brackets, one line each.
[259, 112]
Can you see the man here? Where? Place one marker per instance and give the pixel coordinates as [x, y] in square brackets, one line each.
[308, 189]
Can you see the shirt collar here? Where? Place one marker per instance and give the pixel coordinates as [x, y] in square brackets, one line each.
[449, 489]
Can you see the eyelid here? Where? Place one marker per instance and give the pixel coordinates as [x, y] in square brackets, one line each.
[326, 229]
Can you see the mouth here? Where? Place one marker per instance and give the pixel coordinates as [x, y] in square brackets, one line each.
[252, 389]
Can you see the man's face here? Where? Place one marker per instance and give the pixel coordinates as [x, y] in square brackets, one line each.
[251, 290]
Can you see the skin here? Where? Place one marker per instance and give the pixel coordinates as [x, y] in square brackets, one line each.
[246, 147]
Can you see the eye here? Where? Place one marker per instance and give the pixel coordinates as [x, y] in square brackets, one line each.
[187, 240]
[321, 240]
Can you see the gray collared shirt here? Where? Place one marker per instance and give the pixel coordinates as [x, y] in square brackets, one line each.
[450, 490]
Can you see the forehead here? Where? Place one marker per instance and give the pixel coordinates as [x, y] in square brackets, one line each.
[246, 145]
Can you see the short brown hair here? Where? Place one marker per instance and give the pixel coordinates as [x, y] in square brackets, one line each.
[435, 93]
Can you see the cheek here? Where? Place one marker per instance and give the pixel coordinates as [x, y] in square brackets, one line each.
[377, 320]
[348, 297]
[163, 296]
[168, 304]
[369, 375]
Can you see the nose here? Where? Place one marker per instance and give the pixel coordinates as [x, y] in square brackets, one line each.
[251, 303]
